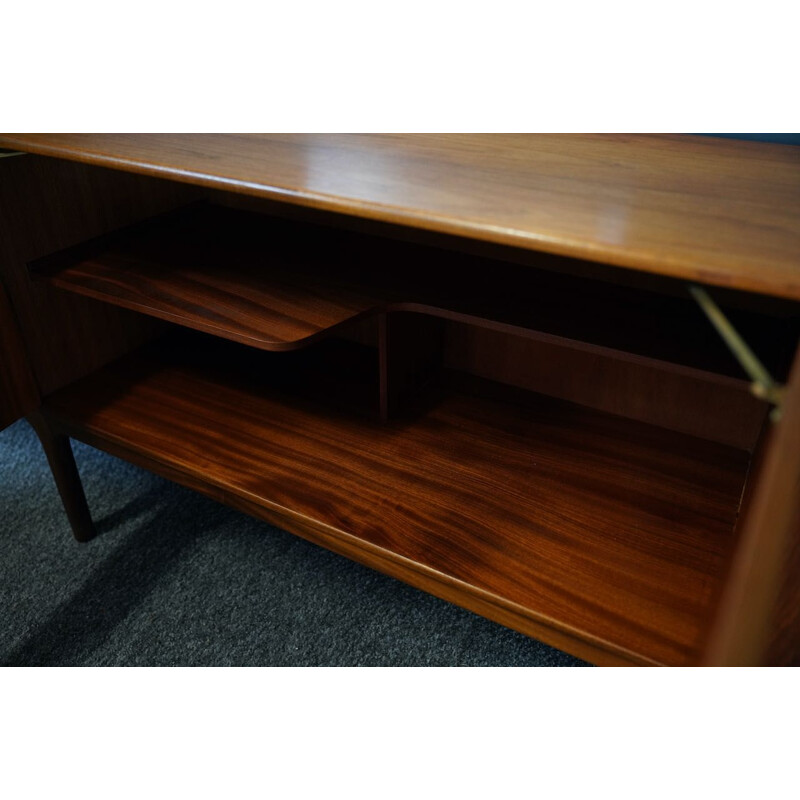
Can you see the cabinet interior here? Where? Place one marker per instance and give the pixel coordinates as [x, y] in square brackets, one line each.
[564, 454]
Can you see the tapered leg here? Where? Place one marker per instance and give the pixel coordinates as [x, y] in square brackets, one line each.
[62, 464]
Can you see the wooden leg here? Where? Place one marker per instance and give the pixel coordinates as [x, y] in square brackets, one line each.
[62, 464]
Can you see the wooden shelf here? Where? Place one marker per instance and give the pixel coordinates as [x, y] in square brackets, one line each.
[605, 537]
[222, 273]
[696, 208]
[278, 285]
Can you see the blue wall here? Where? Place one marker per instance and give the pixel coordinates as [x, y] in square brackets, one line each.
[779, 138]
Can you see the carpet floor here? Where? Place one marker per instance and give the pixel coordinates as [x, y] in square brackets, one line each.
[178, 579]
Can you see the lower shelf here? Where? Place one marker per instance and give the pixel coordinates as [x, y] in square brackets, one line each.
[607, 538]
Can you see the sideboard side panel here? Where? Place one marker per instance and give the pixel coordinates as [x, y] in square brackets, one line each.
[19, 395]
[47, 205]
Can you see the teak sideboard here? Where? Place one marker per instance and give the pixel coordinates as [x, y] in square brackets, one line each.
[554, 379]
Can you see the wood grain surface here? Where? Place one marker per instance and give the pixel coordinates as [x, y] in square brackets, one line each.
[784, 644]
[758, 617]
[701, 405]
[47, 205]
[265, 283]
[602, 536]
[718, 211]
[58, 450]
[277, 284]
[19, 394]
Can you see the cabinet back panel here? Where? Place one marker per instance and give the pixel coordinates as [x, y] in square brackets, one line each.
[711, 409]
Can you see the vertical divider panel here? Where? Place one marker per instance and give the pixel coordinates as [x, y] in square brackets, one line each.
[411, 353]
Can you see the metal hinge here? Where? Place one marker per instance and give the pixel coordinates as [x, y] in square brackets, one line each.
[9, 153]
[762, 385]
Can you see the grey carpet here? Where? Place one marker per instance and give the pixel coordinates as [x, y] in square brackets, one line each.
[177, 579]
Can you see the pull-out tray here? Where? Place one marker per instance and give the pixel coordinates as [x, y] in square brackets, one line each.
[277, 285]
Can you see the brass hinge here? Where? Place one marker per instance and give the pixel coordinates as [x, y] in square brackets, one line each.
[762, 385]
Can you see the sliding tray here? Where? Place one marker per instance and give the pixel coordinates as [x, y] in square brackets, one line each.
[276, 284]
[604, 537]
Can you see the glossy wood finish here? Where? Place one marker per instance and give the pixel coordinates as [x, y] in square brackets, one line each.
[599, 535]
[57, 448]
[48, 205]
[411, 358]
[277, 285]
[611, 539]
[717, 211]
[784, 645]
[644, 390]
[750, 611]
[19, 394]
[265, 283]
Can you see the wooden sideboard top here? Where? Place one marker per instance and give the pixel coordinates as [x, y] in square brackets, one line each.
[712, 210]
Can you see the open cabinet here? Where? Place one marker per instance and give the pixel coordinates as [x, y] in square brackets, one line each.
[566, 448]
